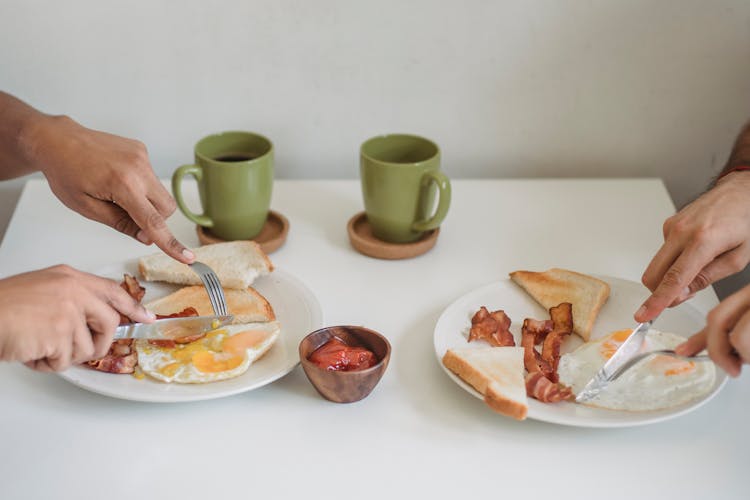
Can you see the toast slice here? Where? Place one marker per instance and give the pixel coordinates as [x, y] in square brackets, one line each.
[495, 372]
[247, 306]
[550, 288]
[236, 263]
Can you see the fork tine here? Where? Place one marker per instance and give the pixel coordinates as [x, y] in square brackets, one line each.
[211, 294]
[216, 285]
[218, 290]
[665, 352]
[213, 287]
[222, 299]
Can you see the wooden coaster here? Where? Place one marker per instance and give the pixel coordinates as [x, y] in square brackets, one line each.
[362, 239]
[271, 237]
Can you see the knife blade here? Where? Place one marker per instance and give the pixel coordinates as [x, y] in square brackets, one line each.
[631, 347]
[172, 328]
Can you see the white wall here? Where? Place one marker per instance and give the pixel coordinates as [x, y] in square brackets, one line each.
[507, 88]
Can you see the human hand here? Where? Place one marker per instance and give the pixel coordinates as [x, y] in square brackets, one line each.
[704, 242]
[726, 334]
[55, 317]
[106, 178]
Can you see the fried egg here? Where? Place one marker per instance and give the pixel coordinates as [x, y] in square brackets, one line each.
[219, 355]
[655, 383]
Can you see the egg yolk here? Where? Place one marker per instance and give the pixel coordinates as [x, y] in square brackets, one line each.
[215, 352]
[671, 366]
[612, 342]
[209, 362]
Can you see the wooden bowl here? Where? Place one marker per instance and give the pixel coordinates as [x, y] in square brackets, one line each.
[341, 386]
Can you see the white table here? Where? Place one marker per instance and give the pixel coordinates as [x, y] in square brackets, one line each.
[418, 435]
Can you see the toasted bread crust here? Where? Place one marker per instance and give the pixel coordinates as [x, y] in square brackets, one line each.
[552, 287]
[498, 403]
[489, 388]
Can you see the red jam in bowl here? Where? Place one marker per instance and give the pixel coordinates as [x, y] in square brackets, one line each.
[337, 355]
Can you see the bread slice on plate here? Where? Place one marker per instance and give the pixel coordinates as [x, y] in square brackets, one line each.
[550, 288]
[247, 306]
[496, 373]
[236, 263]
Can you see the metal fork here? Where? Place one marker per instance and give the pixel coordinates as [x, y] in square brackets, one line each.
[634, 360]
[213, 287]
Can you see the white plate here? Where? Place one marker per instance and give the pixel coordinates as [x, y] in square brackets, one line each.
[617, 314]
[296, 308]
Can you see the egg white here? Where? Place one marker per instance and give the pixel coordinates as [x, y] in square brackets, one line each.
[655, 383]
[163, 364]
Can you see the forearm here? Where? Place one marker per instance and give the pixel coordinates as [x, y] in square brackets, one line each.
[18, 122]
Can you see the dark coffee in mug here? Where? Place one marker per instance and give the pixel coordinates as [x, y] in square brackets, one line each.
[235, 157]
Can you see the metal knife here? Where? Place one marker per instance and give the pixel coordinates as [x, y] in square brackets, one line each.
[172, 328]
[631, 347]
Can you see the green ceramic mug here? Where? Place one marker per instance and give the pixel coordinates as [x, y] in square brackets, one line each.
[400, 177]
[234, 171]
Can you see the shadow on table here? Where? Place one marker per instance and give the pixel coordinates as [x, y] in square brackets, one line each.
[50, 392]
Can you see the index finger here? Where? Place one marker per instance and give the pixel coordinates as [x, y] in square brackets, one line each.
[661, 262]
[693, 345]
[674, 283]
[154, 225]
[114, 295]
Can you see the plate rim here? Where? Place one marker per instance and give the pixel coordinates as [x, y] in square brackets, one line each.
[645, 418]
[305, 294]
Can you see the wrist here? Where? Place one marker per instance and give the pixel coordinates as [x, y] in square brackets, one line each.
[36, 135]
[734, 174]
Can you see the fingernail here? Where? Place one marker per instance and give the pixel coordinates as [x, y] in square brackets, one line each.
[685, 293]
[150, 315]
[188, 254]
[143, 237]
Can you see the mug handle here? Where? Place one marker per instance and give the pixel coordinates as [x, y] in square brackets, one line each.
[444, 186]
[197, 172]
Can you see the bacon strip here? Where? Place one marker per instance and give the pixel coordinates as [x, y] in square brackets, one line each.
[540, 387]
[562, 319]
[185, 313]
[562, 316]
[502, 335]
[492, 327]
[171, 343]
[121, 358]
[551, 352]
[528, 338]
[483, 325]
[540, 328]
[533, 332]
[134, 289]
